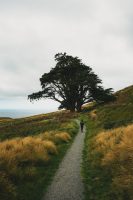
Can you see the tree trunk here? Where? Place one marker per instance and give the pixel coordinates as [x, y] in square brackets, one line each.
[79, 107]
[72, 109]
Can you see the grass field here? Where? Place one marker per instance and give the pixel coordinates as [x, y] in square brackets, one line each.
[30, 152]
[107, 166]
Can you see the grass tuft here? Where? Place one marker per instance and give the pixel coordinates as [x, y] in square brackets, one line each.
[63, 136]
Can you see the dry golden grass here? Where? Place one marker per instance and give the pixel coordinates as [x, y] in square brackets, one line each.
[63, 136]
[50, 147]
[29, 149]
[19, 158]
[56, 136]
[17, 152]
[116, 147]
[48, 135]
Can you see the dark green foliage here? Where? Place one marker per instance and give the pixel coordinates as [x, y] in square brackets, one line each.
[115, 115]
[103, 96]
[72, 84]
[7, 189]
[117, 123]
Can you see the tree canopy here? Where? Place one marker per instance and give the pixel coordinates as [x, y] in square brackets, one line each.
[72, 84]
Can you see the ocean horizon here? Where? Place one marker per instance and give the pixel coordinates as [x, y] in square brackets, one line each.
[18, 113]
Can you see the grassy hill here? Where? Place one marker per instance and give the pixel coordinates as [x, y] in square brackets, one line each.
[30, 151]
[114, 114]
[119, 112]
[108, 151]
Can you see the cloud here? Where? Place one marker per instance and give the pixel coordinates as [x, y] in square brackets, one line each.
[32, 32]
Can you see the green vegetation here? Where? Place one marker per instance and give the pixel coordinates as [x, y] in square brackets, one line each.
[107, 166]
[32, 125]
[30, 152]
[72, 84]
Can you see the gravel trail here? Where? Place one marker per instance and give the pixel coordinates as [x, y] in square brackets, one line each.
[67, 183]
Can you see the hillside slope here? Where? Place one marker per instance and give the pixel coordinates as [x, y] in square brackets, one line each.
[114, 114]
[125, 95]
[108, 149]
[30, 152]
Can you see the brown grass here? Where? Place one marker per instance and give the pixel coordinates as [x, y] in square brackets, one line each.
[19, 158]
[16, 152]
[63, 136]
[56, 136]
[116, 147]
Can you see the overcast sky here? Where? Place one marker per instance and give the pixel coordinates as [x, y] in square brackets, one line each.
[33, 31]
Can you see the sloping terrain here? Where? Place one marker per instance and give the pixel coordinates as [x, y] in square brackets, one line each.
[30, 152]
[108, 149]
[114, 114]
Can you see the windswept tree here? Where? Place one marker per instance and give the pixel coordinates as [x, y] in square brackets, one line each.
[72, 84]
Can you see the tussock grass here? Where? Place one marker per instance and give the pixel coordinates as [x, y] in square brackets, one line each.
[108, 151]
[30, 151]
[19, 159]
[50, 147]
[15, 152]
[115, 150]
[63, 136]
[56, 136]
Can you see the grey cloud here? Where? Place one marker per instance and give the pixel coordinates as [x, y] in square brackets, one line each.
[71, 9]
[32, 32]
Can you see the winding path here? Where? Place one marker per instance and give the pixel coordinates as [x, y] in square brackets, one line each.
[67, 183]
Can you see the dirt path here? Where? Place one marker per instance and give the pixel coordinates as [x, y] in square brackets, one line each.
[67, 183]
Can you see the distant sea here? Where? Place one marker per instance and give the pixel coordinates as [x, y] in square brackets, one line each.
[17, 113]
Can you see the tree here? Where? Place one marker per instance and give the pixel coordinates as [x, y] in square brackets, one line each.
[72, 84]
